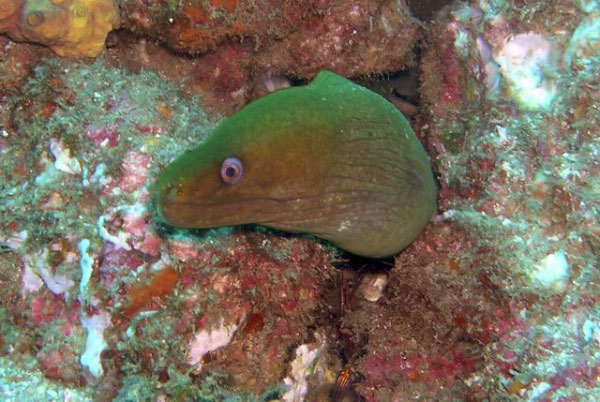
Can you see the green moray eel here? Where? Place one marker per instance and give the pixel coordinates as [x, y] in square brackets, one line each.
[331, 158]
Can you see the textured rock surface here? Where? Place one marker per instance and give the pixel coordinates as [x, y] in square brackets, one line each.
[497, 299]
[299, 38]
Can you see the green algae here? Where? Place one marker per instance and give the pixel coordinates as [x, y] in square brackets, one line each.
[180, 387]
[21, 380]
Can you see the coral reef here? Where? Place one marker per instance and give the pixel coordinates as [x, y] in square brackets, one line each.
[236, 44]
[350, 38]
[71, 28]
[511, 126]
[105, 287]
[498, 299]
[228, 41]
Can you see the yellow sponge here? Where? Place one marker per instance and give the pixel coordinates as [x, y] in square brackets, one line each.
[71, 28]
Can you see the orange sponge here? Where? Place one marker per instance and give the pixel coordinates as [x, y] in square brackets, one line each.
[9, 14]
[71, 28]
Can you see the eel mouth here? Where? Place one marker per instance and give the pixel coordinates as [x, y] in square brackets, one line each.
[240, 211]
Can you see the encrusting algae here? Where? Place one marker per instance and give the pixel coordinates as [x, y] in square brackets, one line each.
[332, 159]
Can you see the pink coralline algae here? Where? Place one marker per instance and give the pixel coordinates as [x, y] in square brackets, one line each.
[103, 136]
[135, 171]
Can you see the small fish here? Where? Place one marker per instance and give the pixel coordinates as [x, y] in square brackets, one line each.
[330, 158]
[342, 385]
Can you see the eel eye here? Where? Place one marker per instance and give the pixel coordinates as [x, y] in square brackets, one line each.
[231, 170]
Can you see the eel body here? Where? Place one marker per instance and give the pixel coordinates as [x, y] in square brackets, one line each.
[331, 158]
